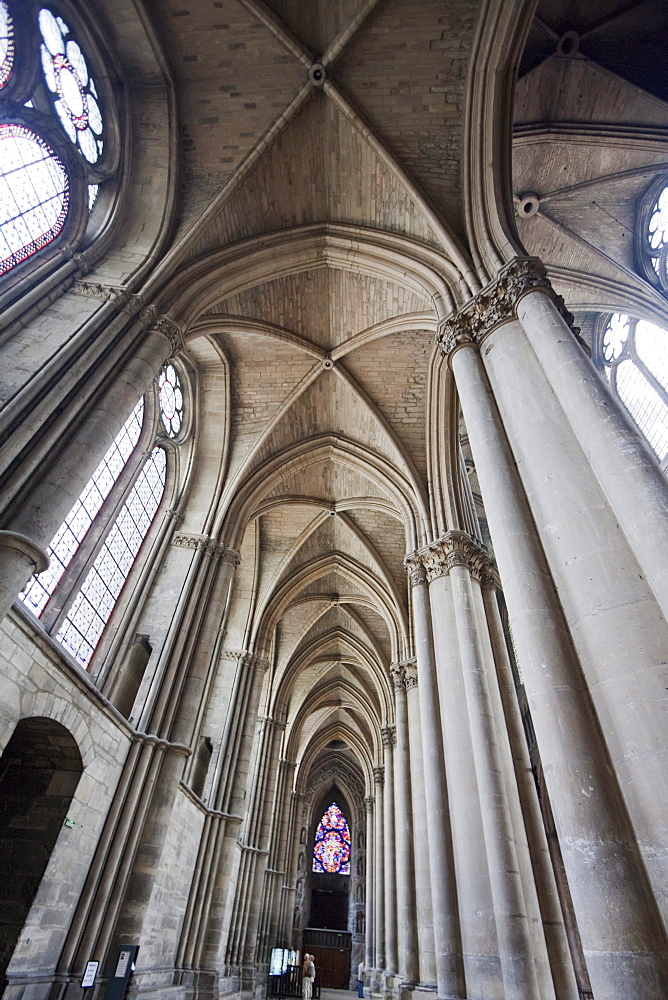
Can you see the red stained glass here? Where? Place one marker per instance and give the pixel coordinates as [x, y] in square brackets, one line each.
[34, 194]
[331, 852]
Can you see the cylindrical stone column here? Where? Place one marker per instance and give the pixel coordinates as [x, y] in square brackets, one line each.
[379, 871]
[475, 903]
[552, 919]
[621, 933]
[391, 957]
[620, 458]
[369, 802]
[35, 522]
[519, 973]
[447, 941]
[403, 813]
[425, 917]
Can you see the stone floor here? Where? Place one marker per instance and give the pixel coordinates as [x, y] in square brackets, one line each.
[327, 994]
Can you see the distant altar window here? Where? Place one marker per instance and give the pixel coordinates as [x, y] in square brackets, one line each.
[634, 353]
[331, 851]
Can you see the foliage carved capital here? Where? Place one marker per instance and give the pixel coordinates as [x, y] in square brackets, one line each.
[389, 736]
[497, 304]
[379, 775]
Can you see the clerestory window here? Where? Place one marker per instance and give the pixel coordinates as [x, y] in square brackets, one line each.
[634, 354]
[653, 234]
[95, 548]
[57, 123]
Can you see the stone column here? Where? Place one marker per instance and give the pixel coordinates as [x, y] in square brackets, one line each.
[425, 917]
[519, 973]
[33, 524]
[616, 624]
[447, 941]
[551, 917]
[404, 865]
[369, 802]
[621, 932]
[475, 904]
[379, 872]
[391, 959]
[620, 458]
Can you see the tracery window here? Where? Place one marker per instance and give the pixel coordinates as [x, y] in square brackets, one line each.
[97, 544]
[635, 357]
[54, 148]
[331, 850]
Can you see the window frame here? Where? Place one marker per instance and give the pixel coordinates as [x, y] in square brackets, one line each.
[152, 435]
[629, 353]
[83, 228]
[643, 256]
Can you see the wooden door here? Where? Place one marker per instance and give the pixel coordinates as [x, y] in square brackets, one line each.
[332, 967]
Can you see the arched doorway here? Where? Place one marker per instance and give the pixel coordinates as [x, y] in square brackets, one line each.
[39, 772]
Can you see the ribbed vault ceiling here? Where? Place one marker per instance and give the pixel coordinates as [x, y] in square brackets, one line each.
[315, 376]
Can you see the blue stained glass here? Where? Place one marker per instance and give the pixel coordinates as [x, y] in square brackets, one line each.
[331, 851]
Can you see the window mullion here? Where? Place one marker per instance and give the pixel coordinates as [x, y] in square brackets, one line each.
[75, 574]
[653, 381]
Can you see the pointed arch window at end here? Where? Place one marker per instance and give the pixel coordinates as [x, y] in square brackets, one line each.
[331, 850]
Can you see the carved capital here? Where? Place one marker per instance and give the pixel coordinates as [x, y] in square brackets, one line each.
[410, 675]
[287, 765]
[457, 548]
[497, 304]
[369, 803]
[379, 775]
[155, 322]
[415, 569]
[228, 555]
[397, 672]
[389, 736]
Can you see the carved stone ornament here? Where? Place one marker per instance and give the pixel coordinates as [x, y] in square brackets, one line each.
[497, 303]
[457, 548]
[242, 656]
[369, 802]
[206, 544]
[389, 736]
[397, 672]
[415, 569]
[410, 676]
[155, 322]
[379, 775]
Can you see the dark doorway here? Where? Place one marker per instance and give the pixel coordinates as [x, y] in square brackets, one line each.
[329, 910]
[39, 771]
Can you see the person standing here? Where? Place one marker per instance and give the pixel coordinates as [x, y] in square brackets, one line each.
[360, 979]
[308, 975]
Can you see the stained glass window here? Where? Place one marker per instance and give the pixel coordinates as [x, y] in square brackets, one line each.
[635, 355]
[657, 236]
[6, 44]
[75, 526]
[72, 88]
[38, 190]
[331, 851]
[34, 194]
[171, 400]
[83, 626]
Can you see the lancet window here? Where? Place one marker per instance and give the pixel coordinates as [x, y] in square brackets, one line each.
[57, 121]
[331, 850]
[634, 353]
[95, 548]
